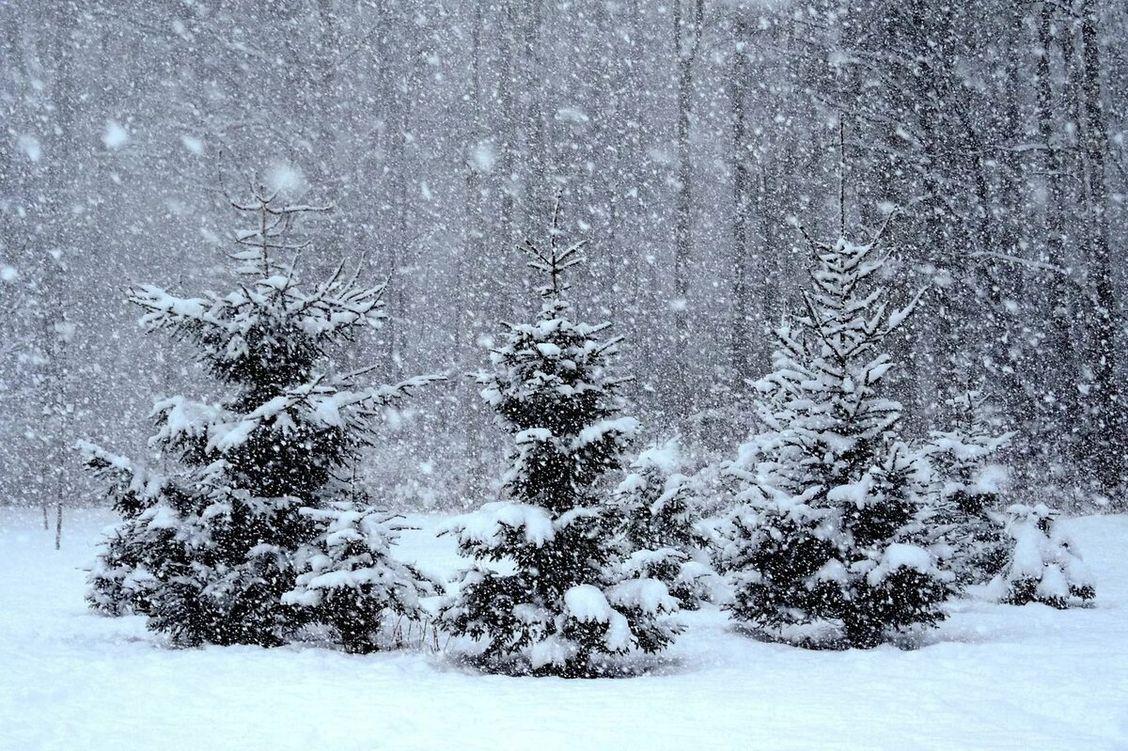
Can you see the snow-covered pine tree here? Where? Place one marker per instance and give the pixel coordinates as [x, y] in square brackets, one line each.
[251, 484]
[823, 549]
[659, 519]
[1043, 564]
[567, 603]
[352, 582]
[970, 480]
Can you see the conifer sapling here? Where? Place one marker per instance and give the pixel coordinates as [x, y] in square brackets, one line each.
[1043, 564]
[660, 522]
[970, 480]
[548, 593]
[250, 488]
[824, 548]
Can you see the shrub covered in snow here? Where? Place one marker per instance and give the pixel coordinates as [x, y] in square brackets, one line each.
[970, 480]
[659, 519]
[566, 602]
[209, 545]
[823, 545]
[349, 579]
[1043, 564]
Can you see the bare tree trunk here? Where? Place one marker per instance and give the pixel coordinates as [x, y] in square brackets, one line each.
[469, 282]
[473, 231]
[509, 134]
[687, 40]
[611, 123]
[741, 183]
[58, 526]
[1110, 424]
[1062, 377]
[537, 165]
[60, 189]
[641, 271]
[326, 99]
[770, 291]
[389, 164]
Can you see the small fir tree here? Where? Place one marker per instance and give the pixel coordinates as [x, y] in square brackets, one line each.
[567, 603]
[659, 519]
[1043, 564]
[970, 481]
[350, 579]
[826, 538]
[253, 487]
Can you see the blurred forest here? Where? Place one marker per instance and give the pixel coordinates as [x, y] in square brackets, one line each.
[688, 140]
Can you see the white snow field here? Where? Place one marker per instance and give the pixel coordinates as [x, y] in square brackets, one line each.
[993, 677]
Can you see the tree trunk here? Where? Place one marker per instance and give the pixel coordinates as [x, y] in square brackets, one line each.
[1109, 425]
[509, 134]
[687, 37]
[470, 282]
[1060, 365]
[741, 184]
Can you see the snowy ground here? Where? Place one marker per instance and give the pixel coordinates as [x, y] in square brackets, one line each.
[994, 677]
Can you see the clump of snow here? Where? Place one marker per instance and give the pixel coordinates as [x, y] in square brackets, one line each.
[1053, 584]
[115, 136]
[586, 602]
[665, 457]
[235, 437]
[619, 637]
[192, 144]
[901, 555]
[854, 493]
[993, 479]
[620, 426]
[649, 595]
[551, 651]
[286, 179]
[65, 330]
[485, 525]
[1026, 560]
[533, 435]
[832, 571]
[483, 156]
[185, 418]
[328, 413]
[30, 146]
[572, 115]
[160, 302]
[905, 555]
[548, 349]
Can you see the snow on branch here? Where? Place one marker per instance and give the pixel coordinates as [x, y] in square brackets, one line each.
[321, 404]
[130, 486]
